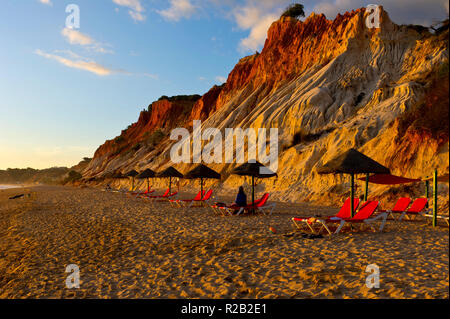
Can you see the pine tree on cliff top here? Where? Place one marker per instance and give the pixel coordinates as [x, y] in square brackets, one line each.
[294, 10]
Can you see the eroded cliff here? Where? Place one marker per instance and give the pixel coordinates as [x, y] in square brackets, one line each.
[335, 83]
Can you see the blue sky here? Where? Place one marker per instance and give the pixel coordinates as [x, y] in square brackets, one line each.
[65, 91]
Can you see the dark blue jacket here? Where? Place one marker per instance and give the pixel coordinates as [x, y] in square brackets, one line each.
[241, 199]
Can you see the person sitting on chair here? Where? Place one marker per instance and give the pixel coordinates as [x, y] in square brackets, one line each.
[241, 199]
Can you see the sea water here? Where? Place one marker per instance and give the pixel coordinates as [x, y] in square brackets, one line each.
[9, 186]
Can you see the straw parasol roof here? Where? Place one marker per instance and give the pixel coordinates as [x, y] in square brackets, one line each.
[148, 173]
[352, 162]
[132, 173]
[202, 171]
[252, 168]
[169, 172]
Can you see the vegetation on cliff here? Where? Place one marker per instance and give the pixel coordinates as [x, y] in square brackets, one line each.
[294, 10]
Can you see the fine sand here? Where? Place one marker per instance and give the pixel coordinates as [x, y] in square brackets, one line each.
[125, 248]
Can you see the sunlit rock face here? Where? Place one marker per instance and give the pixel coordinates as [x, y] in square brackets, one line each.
[339, 83]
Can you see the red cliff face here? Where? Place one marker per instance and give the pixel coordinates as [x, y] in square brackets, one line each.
[206, 105]
[291, 47]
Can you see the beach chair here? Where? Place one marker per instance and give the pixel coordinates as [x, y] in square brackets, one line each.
[230, 209]
[166, 193]
[444, 218]
[344, 212]
[164, 198]
[261, 206]
[418, 208]
[399, 207]
[181, 202]
[225, 210]
[139, 194]
[205, 199]
[362, 217]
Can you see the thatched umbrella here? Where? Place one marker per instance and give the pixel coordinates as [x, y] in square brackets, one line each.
[254, 169]
[132, 174]
[353, 162]
[201, 171]
[169, 172]
[148, 173]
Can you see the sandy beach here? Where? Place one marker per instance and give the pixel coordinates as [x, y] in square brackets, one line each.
[125, 248]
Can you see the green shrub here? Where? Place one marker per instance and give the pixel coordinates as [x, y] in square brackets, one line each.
[304, 137]
[72, 177]
[192, 98]
[136, 147]
[119, 139]
[294, 10]
[155, 138]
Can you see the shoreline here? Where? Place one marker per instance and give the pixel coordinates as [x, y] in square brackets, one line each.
[10, 186]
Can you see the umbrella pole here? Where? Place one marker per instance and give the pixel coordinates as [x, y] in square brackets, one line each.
[148, 186]
[366, 189]
[352, 194]
[201, 187]
[435, 208]
[170, 185]
[427, 190]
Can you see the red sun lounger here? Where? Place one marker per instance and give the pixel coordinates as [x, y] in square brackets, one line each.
[344, 212]
[259, 204]
[207, 197]
[164, 198]
[138, 194]
[181, 202]
[418, 207]
[158, 196]
[399, 207]
[362, 217]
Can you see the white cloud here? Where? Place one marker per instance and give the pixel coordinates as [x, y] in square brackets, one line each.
[136, 8]
[221, 79]
[73, 60]
[77, 38]
[77, 62]
[256, 19]
[178, 9]
[47, 2]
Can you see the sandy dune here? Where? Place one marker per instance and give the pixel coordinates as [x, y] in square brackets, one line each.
[127, 249]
